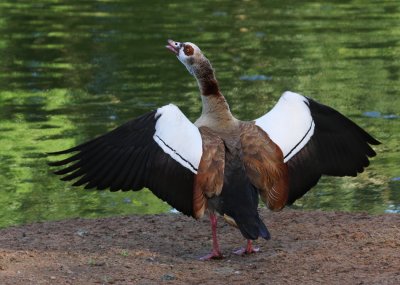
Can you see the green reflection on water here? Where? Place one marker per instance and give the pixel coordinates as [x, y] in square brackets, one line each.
[71, 70]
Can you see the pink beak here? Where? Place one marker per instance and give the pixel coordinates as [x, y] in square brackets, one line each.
[173, 46]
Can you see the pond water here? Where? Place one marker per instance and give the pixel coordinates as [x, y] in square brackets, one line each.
[71, 70]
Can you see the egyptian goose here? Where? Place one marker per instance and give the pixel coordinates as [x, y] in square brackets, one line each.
[219, 163]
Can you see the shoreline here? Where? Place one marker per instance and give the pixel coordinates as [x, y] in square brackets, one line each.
[307, 247]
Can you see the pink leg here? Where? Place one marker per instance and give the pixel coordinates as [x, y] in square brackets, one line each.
[215, 253]
[248, 249]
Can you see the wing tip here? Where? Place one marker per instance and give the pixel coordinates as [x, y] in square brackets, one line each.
[64, 161]
[374, 141]
[65, 151]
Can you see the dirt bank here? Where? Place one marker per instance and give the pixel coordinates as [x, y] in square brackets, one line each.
[306, 248]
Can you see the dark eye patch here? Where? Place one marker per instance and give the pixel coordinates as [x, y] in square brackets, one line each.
[188, 50]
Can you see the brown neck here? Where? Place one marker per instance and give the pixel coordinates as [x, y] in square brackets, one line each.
[205, 76]
[215, 108]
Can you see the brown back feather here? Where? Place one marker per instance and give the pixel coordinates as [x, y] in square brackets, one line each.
[210, 174]
[264, 165]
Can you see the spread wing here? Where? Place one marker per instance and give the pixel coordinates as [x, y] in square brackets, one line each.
[160, 150]
[315, 140]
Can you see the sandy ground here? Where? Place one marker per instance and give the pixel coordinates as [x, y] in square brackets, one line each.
[306, 248]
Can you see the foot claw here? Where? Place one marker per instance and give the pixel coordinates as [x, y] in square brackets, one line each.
[243, 250]
[212, 255]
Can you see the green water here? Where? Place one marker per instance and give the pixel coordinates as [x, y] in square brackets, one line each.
[71, 70]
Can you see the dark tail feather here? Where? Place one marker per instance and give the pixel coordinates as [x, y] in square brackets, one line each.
[253, 229]
[240, 201]
[264, 233]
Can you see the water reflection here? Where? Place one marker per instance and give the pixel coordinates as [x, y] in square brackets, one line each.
[71, 70]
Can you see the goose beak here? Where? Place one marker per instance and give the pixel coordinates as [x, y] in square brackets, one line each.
[173, 46]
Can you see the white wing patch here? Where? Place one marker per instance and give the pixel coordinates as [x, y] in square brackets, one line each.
[289, 124]
[178, 137]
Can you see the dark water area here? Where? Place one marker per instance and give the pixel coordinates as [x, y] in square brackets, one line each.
[71, 70]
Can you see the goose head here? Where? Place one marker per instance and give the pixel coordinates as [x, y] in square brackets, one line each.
[187, 53]
[197, 65]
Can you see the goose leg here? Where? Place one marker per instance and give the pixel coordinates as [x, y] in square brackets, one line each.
[248, 249]
[215, 253]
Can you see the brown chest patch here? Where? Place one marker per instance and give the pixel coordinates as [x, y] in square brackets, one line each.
[188, 50]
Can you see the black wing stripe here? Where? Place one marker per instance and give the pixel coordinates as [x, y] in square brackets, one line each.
[304, 137]
[173, 150]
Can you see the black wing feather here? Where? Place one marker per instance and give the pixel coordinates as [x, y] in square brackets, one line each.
[338, 147]
[128, 158]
